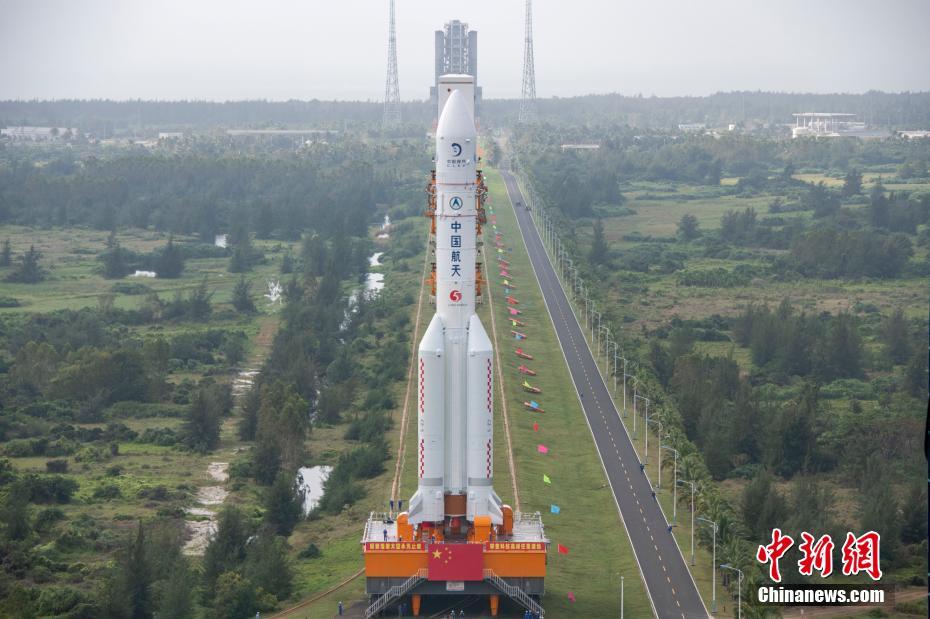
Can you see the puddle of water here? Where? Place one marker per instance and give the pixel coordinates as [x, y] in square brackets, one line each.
[385, 225]
[203, 527]
[275, 291]
[243, 382]
[310, 485]
[374, 282]
[374, 260]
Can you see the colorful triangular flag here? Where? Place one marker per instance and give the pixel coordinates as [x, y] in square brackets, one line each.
[535, 426]
[542, 449]
[555, 509]
[546, 479]
[563, 549]
[571, 597]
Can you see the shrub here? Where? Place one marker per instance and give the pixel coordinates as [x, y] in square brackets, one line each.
[164, 437]
[365, 462]
[155, 493]
[310, 552]
[56, 466]
[107, 492]
[25, 448]
[130, 288]
[92, 453]
[47, 517]
[58, 600]
[49, 489]
[241, 469]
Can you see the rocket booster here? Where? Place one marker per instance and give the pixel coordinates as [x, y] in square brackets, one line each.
[455, 362]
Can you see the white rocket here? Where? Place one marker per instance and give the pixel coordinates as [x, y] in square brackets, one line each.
[455, 401]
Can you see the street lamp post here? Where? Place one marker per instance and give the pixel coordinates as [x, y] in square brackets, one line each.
[674, 485]
[606, 331]
[616, 358]
[646, 432]
[658, 423]
[690, 483]
[713, 586]
[625, 376]
[636, 396]
[621, 597]
[739, 588]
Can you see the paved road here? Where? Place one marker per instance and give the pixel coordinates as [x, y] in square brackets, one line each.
[668, 582]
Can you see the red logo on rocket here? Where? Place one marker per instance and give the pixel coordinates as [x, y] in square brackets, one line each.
[455, 295]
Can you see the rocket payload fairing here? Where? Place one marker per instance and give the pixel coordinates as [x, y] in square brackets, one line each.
[455, 401]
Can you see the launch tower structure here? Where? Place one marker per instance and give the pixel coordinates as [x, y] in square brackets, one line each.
[528, 91]
[457, 536]
[391, 87]
[456, 53]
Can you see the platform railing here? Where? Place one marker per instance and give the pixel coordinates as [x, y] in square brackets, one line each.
[396, 592]
[514, 592]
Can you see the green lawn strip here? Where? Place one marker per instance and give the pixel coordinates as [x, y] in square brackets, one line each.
[589, 525]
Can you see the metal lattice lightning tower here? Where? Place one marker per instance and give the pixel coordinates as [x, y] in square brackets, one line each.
[391, 89]
[528, 96]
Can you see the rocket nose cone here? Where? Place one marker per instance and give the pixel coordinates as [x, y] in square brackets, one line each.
[455, 120]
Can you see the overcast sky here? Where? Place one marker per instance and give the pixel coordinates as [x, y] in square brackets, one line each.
[284, 49]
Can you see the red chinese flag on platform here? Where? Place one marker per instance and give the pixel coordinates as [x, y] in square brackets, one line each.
[563, 549]
[456, 562]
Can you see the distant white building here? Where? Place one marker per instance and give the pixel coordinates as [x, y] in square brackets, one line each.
[824, 124]
[36, 134]
[170, 135]
[692, 127]
[580, 146]
[914, 134]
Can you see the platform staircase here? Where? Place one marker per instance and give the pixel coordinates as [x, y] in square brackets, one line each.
[395, 593]
[515, 593]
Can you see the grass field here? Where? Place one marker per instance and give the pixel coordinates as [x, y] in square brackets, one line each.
[74, 282]
[652, 300]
